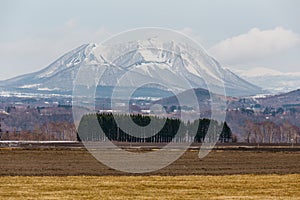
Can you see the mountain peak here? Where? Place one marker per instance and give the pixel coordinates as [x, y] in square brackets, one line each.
[168, 63]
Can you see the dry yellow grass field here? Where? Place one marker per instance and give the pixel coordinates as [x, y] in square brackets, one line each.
[151, 187]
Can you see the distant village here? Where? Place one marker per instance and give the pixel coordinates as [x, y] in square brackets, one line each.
[51, 118]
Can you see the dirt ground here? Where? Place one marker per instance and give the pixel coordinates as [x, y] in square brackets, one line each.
[77, 162]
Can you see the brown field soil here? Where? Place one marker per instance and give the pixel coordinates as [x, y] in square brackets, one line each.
[76, 162]
[151, 187]
[72, 173]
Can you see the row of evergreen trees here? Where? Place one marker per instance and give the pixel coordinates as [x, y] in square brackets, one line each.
[100, 127]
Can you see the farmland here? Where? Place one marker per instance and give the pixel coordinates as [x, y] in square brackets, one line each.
[78, 161]
[151, 187]
[226, 173]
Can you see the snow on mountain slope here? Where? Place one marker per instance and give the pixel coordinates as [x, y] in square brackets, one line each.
[174, 61]
[153, 61]
[271, 80]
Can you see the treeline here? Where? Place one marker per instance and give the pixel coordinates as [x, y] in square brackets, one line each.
[270, 132]
[51, 131]
[172, 129]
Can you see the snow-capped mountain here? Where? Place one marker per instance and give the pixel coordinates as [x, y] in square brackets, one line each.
[167, 63]
[271, 80]
[59, 75]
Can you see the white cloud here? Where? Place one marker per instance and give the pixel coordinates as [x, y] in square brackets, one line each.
[254, 45]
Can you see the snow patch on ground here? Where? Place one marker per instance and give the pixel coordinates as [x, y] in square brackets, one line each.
[30, 86]
[48, 89]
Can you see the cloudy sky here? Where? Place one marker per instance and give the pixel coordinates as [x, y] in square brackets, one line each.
[240, 34]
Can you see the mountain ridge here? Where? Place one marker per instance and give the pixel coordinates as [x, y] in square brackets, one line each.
[271, 80]
[166, 63]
